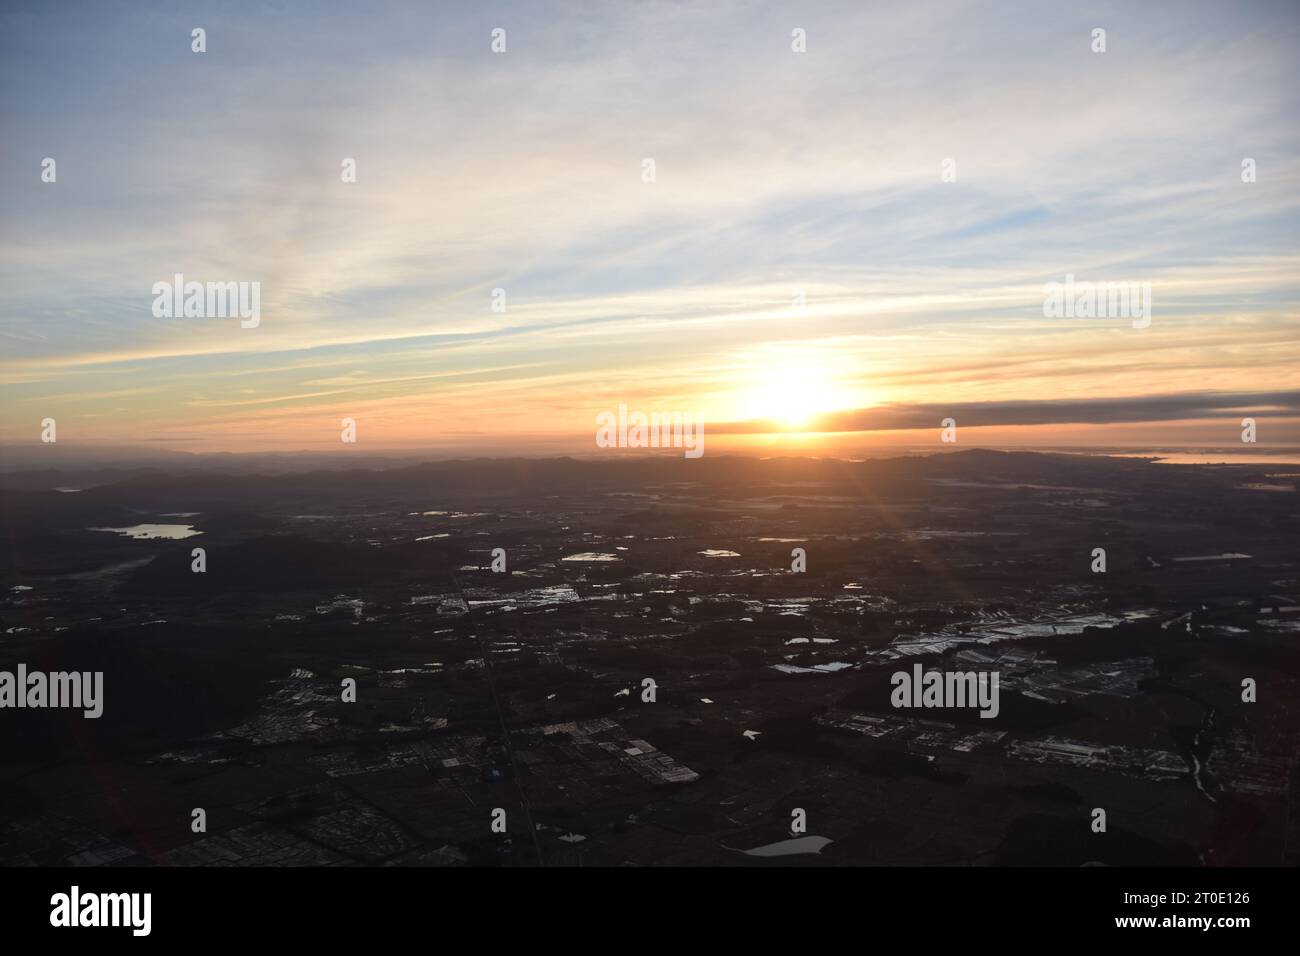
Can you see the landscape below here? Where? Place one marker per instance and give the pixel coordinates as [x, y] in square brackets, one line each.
[524, 690]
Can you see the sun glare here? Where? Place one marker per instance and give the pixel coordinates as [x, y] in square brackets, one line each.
[794, 395]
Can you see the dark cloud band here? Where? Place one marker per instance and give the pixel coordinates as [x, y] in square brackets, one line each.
[1089, 411]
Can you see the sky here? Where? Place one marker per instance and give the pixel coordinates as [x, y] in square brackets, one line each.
[799, 259]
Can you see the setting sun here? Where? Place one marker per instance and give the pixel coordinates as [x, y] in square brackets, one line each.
[793, 395]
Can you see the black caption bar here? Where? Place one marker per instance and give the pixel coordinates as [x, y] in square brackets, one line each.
[136, 905]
